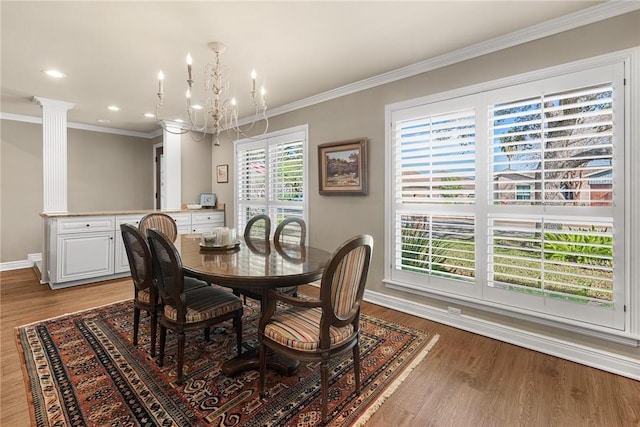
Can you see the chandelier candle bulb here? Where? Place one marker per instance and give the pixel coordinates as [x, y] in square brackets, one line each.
[160, 79]
[189, 63]
[254, 76]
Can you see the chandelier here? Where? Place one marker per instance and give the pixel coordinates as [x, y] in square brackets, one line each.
[216, 113]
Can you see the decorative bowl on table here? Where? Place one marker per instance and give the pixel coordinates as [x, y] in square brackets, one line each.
[194, 206]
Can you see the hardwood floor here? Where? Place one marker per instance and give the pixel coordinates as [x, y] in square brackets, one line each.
[466, 379]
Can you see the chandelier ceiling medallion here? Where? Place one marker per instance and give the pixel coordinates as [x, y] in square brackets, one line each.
[219, 113]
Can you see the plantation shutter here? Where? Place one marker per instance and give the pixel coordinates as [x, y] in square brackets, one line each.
[286, 177]
[553, 251]
[271, 177]
[518, 189]
[433, 169]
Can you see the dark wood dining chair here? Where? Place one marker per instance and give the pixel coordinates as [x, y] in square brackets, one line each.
[258, 229]
[317, 330]
[184, 311]
[291, 230]
[159, 221]
[145, 296]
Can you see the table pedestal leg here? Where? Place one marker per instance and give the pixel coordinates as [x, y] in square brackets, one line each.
[251, 360]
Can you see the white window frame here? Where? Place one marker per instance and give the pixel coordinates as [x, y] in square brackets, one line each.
[282, 136]
[631, 303]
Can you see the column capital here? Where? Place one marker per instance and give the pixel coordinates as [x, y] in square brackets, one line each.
[53, 103]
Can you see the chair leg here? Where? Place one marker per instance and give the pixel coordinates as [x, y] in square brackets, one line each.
[324, 385]
[238, 325]
[163, 339]
[181, 338]
[356, 366]
[154, 327]
[263, 367]
[136, 324]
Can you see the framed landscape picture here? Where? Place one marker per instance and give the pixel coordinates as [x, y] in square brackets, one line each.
[342, 167]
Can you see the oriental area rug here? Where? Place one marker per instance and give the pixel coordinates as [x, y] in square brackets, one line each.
[81, 369]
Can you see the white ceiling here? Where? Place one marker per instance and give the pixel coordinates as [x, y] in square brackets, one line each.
[111, 52]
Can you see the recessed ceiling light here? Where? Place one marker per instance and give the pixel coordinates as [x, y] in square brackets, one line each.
[113, 108]
[149, 115]
[103, 121]
[54, 73]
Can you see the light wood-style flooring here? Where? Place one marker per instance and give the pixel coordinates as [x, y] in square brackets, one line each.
[466, 379]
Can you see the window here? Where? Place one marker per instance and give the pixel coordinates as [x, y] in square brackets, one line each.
[514, 196]
[271, 176]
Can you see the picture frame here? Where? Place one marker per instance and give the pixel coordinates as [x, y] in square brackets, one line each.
[222, 174]
[342, 167]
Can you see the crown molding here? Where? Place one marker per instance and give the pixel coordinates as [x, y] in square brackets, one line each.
[81, 126]
[588, 16]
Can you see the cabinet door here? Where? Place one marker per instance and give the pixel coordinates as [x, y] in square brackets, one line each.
[121, 260]
[85, 255]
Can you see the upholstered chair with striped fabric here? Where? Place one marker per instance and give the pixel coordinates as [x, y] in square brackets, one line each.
[316, 330]
[161, 222]
[184, 311]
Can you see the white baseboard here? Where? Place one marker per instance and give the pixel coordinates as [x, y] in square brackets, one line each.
[16, 265]
[585, 355]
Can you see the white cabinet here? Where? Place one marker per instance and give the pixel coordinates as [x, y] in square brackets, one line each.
[121, 260]
[204, 222]
[83, 248]
[183, 221]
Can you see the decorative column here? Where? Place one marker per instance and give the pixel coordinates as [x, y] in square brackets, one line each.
[173, 167]
[54, 153]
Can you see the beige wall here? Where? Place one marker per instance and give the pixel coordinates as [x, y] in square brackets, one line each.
[20, 190]
[104, 172]
[196, 168]
[333, 219]
[108, 172]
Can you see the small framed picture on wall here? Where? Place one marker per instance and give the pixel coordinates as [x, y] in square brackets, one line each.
[222, 173]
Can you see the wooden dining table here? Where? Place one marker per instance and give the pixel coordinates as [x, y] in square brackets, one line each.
[255, 264]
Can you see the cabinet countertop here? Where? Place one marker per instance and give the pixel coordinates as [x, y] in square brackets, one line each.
[125, 212]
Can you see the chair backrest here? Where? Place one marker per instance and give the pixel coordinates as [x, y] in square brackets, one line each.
[258, 227]
[139, 256]
[168, 267]
[342, 285]
[291, 230]
[159, 221]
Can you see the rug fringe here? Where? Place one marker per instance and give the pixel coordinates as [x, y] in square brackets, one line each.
[362, 419]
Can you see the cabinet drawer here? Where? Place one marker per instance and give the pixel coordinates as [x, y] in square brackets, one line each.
[88, 224]
[216, 218]
[181, 219]
[128, 219]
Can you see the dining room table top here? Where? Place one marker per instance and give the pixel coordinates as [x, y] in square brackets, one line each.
[252, 263]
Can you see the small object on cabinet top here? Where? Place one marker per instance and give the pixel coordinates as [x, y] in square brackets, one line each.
[208, 200]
